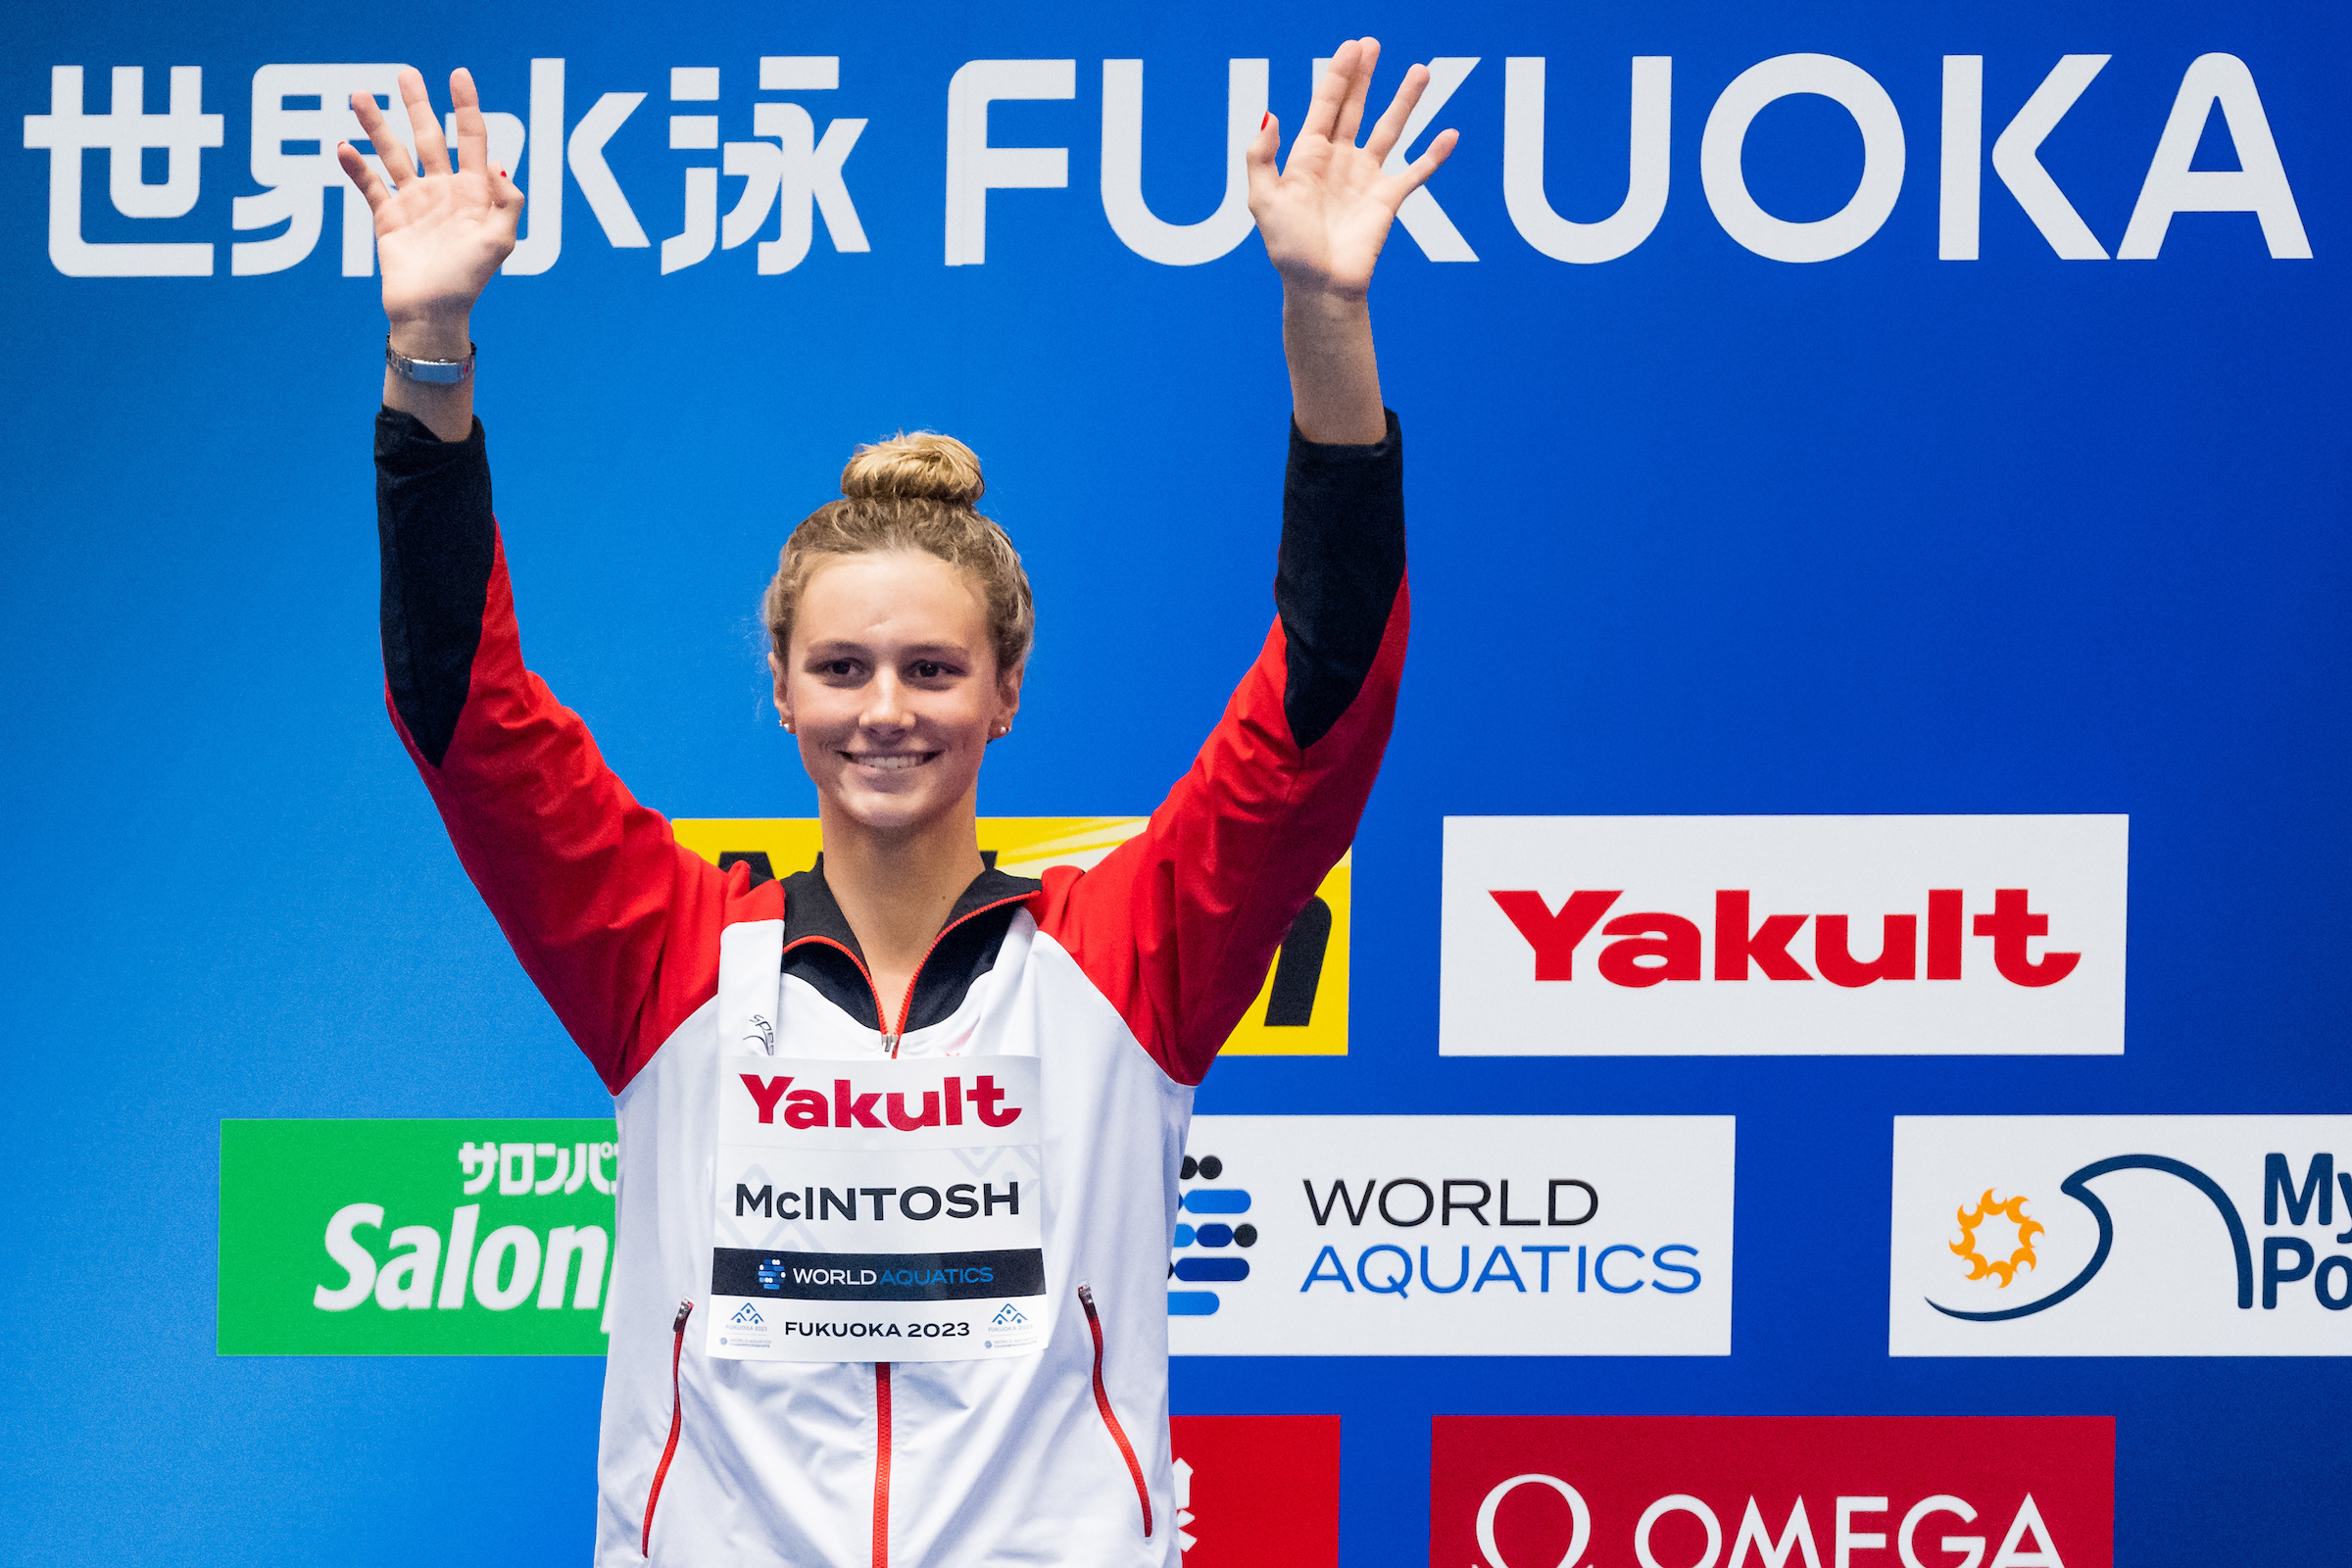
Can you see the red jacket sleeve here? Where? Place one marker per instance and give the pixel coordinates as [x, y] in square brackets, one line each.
[615, 920]
[1178, 925]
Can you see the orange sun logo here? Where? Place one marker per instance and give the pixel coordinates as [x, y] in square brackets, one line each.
[2014, 1210]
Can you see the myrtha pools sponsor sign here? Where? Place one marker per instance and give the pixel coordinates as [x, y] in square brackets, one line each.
[1454, 1236]
[1782, 935]
[1772, 1491]
[414, 1238]
[2122, 1236]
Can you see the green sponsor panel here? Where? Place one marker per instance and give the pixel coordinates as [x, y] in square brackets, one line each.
[416, 1237]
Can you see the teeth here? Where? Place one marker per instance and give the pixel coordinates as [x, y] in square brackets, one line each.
[891, 761]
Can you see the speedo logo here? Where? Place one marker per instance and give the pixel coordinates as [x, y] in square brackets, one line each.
[1653, 945]
[845, 1106]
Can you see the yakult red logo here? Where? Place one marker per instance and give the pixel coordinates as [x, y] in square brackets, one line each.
[1655, 946]
[1782, 935]
[839, 1104]
[1772, 1491]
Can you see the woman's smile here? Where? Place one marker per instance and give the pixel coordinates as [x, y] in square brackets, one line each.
[890, 761]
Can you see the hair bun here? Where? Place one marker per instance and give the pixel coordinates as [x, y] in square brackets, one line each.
[925, 465]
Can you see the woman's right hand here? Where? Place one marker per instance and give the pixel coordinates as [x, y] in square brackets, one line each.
[440, 233]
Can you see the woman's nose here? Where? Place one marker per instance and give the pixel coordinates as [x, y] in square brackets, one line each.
[886, 705]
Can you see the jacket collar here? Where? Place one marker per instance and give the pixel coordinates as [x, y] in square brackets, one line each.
[812, 914]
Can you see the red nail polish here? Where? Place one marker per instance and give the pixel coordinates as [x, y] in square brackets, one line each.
[1267, 121]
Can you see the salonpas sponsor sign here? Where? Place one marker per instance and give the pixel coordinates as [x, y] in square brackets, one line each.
[1454, 1236]
[414, 1238]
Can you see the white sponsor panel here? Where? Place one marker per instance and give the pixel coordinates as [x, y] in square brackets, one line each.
[2122, 1236]
[1658, 936]
[1454, 1236]
[879, 1210]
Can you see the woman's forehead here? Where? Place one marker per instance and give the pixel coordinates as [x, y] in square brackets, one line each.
[904, 594]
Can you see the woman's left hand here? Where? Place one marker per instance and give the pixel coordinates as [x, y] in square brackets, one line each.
[1325, 217]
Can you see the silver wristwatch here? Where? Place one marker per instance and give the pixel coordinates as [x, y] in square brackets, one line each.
[429, 372]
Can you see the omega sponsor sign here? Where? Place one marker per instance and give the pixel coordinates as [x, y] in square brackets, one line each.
[1782, 935]
[1772, 1491]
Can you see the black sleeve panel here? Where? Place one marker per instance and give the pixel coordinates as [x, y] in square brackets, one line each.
[1342, 563]
[433, 523]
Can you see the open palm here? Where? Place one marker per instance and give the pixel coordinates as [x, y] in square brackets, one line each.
[1326, 216]
[440, 233]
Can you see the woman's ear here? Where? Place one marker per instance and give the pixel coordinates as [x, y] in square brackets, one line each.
[1008, 697]
[775, 668]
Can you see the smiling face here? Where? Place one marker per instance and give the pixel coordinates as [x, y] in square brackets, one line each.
[891, 685]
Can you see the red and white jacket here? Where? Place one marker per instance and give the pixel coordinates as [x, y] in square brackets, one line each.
[1122, 981]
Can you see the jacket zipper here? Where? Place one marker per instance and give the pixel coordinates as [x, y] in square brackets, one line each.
[1111, 1417]
[906, 1002]
[677, 1410]
[892, 1037]
[881, 1464]
[890, 1043]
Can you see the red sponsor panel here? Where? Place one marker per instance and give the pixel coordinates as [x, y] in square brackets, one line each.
[1772, 1491]
[1257, 1491]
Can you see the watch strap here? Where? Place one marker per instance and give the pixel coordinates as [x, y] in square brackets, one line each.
[428, 373]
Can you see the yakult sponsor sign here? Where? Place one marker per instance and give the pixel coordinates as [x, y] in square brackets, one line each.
[2122, 1236]
[1772, 1491]
[1454, 1236]
[1782, 935]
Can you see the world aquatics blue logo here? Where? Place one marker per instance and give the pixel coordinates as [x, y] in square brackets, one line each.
[748, 1316]
[771, 1273]
[1211, 1234]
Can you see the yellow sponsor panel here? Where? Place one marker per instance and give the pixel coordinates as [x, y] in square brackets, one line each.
[1302, 1009]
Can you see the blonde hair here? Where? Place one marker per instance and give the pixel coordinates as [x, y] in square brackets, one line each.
[912, 492]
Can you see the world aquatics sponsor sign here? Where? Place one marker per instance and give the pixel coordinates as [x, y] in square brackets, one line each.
[1454, 1236]
[416, 1237]
[1302, 1008]
[2122, 1236]
[1772, 1491]
[1782, 935]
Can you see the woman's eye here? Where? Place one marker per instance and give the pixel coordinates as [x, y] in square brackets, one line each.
[841, 666]
[928, 670]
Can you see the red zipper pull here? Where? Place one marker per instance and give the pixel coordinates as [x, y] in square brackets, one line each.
[1086, 1299]
[685, 1309]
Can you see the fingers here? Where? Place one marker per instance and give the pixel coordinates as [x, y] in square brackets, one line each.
[389, 150]
[1415, 174]
[432, 153]
[1258, 160]
[1331, 93]
[474, 134]
[1383, 139]
[1359, 85]
[356, 168]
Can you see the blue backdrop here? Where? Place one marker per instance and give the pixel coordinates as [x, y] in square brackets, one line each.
[1694, 532]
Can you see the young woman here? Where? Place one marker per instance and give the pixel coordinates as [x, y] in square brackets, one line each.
[900, 1135]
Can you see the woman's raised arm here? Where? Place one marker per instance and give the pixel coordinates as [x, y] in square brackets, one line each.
[440, 236]
[1177, 925]
[1324, 219]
